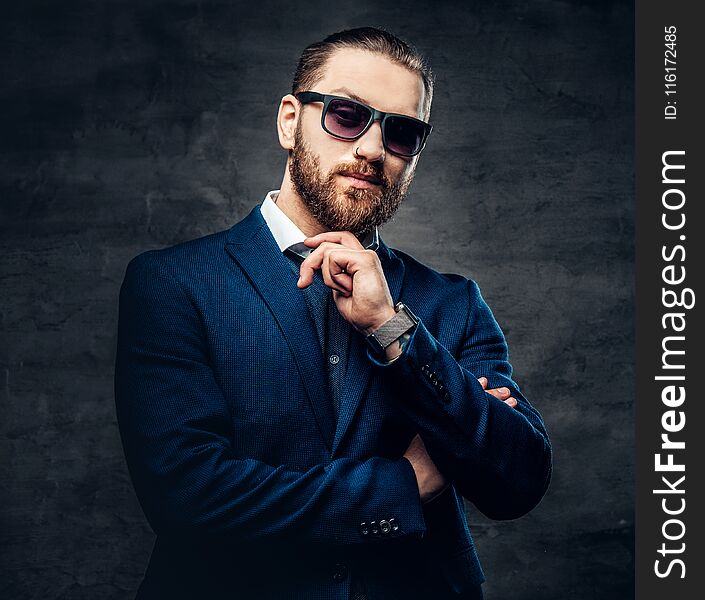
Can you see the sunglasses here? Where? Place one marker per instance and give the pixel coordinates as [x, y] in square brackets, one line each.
[347, 119]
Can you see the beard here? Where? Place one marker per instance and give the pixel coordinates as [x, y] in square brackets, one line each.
[344, 208]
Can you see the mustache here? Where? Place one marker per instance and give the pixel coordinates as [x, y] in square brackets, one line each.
[367, 170]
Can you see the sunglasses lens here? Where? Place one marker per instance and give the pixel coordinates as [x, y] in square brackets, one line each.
[346, 119]
[404, 136]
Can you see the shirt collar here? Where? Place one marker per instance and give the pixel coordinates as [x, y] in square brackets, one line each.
[287, 234]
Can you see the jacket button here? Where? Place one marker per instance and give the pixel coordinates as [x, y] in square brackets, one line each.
[394, 524]
[340, 572]
[363, 528]
[446, 396]
[373, 527]
[385, 526]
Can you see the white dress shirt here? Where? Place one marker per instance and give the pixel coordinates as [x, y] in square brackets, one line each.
[285, 231]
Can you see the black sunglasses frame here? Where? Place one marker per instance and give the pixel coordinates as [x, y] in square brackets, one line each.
[375, 115]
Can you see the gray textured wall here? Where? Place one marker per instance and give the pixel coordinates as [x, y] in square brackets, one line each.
[128, 126]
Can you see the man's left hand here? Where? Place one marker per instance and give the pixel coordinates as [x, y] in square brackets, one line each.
[501, 393]
[354, 274]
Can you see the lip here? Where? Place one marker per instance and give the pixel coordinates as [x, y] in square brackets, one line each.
[360, 180]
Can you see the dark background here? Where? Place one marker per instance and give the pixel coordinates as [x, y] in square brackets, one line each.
[126, 126]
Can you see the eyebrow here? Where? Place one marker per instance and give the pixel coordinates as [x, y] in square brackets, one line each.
[354, 96]
[349, 93]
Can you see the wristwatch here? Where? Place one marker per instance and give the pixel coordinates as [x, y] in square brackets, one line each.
[392, 329]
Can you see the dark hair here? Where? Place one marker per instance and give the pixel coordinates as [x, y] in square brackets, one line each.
[313, 59]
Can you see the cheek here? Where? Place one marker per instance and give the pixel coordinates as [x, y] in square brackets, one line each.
[398, 169]
[327, 149]
[312, 132]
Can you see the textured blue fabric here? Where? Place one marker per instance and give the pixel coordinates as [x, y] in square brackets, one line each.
[338, 332]
[333, 330]
[334, 335]
[253, 487]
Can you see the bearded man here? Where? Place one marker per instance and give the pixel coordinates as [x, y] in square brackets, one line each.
[303, 409]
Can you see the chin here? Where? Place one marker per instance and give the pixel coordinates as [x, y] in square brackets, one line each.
[350, 193]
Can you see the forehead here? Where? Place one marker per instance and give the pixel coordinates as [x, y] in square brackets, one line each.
[373, 79]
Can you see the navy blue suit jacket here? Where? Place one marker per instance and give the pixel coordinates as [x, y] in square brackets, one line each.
[253, 489]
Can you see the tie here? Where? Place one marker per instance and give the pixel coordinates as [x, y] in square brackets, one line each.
[332, 329]
[334, 336]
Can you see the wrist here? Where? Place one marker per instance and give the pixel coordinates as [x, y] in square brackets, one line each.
[396, 348]
[381, 319]
[388, 338]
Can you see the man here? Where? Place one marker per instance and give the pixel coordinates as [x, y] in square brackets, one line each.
[291, 430]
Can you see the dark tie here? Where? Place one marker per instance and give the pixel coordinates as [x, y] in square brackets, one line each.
[334, 336]
[332, 329]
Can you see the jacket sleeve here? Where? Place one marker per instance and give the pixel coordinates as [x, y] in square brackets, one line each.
[176, 430]
[498, 457]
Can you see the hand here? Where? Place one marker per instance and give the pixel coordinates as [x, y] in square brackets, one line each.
[354, 274]
[430, 480]
[502, 393]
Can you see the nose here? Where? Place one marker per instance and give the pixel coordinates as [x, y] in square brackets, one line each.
[370, 145]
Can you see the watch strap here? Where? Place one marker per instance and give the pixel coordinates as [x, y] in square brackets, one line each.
[392, 329]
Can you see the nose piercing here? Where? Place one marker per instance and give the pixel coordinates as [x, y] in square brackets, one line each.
[356, 154]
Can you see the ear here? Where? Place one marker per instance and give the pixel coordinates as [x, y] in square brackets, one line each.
[287, 117]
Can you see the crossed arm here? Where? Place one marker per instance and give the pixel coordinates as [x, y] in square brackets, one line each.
[175, 428]
[430, 480]
[177, 434]
[496, 452]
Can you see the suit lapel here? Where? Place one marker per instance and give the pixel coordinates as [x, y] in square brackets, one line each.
[359, 368]
[252, 245]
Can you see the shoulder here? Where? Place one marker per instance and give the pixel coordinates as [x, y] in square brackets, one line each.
[447, 302]
[180, 261]
[420, 278]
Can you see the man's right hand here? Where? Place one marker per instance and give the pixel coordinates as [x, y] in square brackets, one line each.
[430, 480]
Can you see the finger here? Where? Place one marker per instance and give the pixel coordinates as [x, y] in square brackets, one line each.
[511, 401]
[308, 268]
[341, 277]
[345, 281]
[328, 268]
[312, 263]
[483, 382]
[342, 262]
[337, 294]
[500, 393]
[344, 238]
